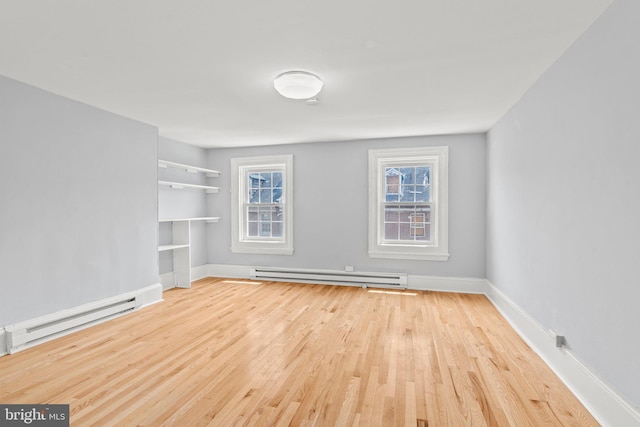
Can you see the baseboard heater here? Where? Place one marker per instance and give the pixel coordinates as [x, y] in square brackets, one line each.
[26, 334]
[330, 276]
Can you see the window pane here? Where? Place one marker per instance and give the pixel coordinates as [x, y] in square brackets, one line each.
[422, 175]
[276, 229]
[265, 229]
[265, 214]
[407, 194]
[277, 179]
[404, 231]
[391, 231]
[391, 214]
[254, 195]
[253, 229]
[407, 175]
[265, 196]
[254, 180]
[252, 213]
[265, 179]
[392, 179]
[277, 195]
[422, 193]
[276, 214]
[404, 211]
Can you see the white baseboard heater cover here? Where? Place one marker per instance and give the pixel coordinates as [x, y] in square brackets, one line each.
[26, 334]
[330, 276]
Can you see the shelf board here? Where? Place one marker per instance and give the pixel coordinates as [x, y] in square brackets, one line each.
[162, 248]
[181, 185]
[210, 173]
[204, 218]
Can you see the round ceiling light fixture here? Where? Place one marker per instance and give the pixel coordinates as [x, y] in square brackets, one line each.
[297, 84]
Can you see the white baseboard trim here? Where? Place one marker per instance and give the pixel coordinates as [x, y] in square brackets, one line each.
[231, 271]
[200, 272]
[605, 404]
[464, 285]
[3, 342]
[145, 297]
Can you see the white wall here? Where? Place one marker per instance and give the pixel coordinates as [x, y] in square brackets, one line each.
[78, 216]
[331, 212]
[563, 199]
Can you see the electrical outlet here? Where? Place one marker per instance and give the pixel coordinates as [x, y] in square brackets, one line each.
[348, 268]
[561, 341]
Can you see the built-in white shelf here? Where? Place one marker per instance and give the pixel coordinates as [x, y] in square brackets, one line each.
[181, 185]
[179, 247]
[162, 248]
[204, 218]
[210, 173]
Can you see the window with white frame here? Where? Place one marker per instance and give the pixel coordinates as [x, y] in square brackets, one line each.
[262, 197]
[408, 203]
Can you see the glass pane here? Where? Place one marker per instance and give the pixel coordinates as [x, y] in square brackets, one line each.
[422, 175]
[252, 213]
[277, 195]
[277, 179]
[407, 194]
[253, 195]
[391, 198]
[393, 184]
[391, 214]
[408, 175]
[391, 231]
[265, 179]
[405, 210]
[253, 229]
[422, 193]
[254, 180]
[276, 229]
[265, 196]
[265, 212]
[404, 232]
[265, 229]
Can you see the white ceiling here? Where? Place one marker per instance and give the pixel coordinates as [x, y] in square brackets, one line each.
[202, 70]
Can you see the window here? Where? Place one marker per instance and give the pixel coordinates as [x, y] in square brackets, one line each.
[408, 203]
[262, 214]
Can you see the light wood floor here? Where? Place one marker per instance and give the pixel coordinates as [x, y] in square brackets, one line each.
[230, 352]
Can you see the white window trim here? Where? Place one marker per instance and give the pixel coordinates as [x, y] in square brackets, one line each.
[240, 244]
[438, 248]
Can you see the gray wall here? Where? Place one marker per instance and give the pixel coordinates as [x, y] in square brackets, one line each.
[78, 203]
[331, 213]
[563, 207]
[185, 203]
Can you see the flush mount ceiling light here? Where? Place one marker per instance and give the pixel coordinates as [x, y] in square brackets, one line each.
[298, 84]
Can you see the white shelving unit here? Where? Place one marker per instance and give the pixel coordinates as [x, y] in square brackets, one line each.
[181, 252]
[181, 185]
[209, 173]
[180, 245]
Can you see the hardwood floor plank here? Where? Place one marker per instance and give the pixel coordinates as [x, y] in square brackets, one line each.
[228, 352]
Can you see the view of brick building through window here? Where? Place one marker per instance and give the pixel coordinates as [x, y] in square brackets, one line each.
[407, 206]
